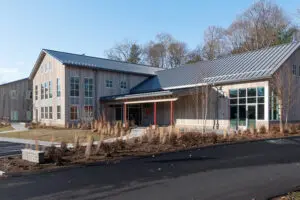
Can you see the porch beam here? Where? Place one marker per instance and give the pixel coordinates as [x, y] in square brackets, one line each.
[171, 113]
[151, 101]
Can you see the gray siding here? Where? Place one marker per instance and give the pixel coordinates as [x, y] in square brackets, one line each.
[15, 98]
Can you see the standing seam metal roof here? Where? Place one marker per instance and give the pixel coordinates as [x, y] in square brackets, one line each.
[251, 65]
[100, 63]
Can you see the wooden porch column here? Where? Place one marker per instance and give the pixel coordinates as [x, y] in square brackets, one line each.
[154, 113]
[171, 113]
[124, 114]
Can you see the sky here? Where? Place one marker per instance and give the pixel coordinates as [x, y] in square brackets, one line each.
[93, 26]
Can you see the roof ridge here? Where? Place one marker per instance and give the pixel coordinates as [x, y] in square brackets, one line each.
[99, 58]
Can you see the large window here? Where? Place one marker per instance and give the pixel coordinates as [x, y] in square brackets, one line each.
[50, 89]
[58, 87]
[42, 91]
[74, 113]
[74, 91]
[88, 97]
[245, 102]
[46, 90]
[46, 112]
[50, 112]
[42, 113]
[58, 112]
[36, 92]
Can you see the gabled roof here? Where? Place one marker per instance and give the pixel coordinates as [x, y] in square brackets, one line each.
[77, 60]
[247, 66]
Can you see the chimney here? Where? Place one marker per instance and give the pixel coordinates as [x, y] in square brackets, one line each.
[296, 36]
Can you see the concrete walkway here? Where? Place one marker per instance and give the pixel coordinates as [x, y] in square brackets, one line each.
[18, 127]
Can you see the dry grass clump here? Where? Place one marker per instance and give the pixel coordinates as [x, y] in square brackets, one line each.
[262, 130]
[54, 154]
[88, 149]
[292, 129]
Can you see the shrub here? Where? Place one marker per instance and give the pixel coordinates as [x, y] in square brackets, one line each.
[211, 138]
[76, 141]
[145, 138]
[292, 129]
[275, 130]
[118, 145]
[155, 139]
[191, 139]
[262, 130]
[173, 139]
[64, 146]
[298, 127]
[106, 148]
[54, 155]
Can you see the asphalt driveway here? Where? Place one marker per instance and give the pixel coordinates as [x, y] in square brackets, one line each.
[8, 148]
[251, 171]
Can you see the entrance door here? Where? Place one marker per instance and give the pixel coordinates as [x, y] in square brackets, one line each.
[251, 116]
[134, 114]
[14, 116]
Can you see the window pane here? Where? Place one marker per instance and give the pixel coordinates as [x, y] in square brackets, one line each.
[261, 99]
[242, 92]
[251, 100]
[242, 115]
[232, 93]
[242, 101]
[261, 111]
[233, 101]
[251, 92]
[261, 91]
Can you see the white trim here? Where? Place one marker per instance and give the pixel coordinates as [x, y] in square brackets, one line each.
[185, 86]
[151, 101]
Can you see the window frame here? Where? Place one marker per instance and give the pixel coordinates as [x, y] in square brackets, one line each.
[74, 98]
[109, 83]
[36, 92]
[58, 112]
[58, 87]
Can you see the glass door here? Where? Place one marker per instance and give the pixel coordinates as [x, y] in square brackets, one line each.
[251, 117]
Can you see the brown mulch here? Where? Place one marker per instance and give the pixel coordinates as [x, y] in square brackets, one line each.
[133, 148]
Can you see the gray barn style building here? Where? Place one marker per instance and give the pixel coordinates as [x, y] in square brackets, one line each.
[16, 100]
[69, 88]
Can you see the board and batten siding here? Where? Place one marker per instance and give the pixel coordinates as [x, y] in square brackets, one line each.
[57, 71]
[100, 89]
[185, 108]
[16, 104]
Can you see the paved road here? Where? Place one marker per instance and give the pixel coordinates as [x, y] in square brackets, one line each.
[255, 170]
[7, 148]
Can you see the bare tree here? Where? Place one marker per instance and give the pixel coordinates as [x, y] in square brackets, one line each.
[127, 51]
[194, 55]
[262, 25]
[283, 84]
[177, 52]
[214, 43]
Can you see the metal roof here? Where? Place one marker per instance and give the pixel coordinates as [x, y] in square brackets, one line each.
[247, 66]
[77, 60]
[133, 96]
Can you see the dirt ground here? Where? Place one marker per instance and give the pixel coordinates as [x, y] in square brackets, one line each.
[54, 135]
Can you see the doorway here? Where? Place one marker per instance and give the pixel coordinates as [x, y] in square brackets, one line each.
[134, 114]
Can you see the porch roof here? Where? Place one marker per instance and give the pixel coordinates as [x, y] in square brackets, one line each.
[137, 96]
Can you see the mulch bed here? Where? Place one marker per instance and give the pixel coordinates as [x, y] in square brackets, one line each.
[120, 150]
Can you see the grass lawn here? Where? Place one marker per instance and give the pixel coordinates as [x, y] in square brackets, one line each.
[58, 135]
[7, 128]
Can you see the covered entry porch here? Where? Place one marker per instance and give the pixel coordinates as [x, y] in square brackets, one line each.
[145, 109]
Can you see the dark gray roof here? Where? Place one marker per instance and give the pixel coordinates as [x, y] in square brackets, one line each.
[95, 63]
[133, 96]
[247, 66]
